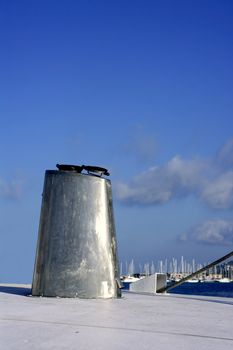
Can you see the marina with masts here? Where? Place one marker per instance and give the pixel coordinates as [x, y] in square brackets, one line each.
[176, 269]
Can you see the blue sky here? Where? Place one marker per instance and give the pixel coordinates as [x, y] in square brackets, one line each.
[143, 88]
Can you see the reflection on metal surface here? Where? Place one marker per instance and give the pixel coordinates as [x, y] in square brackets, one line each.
[76, 252]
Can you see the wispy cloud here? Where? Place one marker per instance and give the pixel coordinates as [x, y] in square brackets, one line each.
[215, 232]
[224, 157]
[141, 144]
[218, 193]
[211, 180]
[11, 189]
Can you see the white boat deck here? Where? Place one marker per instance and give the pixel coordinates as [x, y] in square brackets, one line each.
[136, 321]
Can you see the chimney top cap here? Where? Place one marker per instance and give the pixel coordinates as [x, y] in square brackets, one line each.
[94, 170]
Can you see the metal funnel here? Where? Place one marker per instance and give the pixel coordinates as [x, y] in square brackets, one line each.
[76, 250]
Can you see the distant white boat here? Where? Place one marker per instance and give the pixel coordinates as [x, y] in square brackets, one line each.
[130, 279]
[224, 280]
[194, 280]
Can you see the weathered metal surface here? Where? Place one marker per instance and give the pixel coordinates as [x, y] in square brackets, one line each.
[77, 251]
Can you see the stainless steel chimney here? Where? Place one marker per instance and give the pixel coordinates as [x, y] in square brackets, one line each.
[76, 250]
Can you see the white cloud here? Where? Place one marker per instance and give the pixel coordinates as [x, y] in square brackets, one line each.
[219, 192]
[216, 232]
[161, 183]
[211, 180]
[11, 189]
